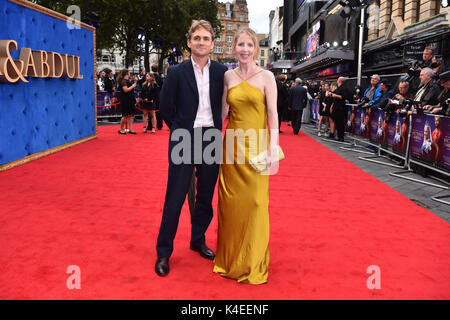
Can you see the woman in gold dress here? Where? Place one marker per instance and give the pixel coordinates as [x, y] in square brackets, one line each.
[243, 209]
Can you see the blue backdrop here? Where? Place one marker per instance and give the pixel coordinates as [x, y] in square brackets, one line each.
[45, 112]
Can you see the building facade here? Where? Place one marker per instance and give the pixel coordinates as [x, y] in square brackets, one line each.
[115, 60]
[321, 38]
[275, 38]
[263, 57]
[399, 30]
[233, 16]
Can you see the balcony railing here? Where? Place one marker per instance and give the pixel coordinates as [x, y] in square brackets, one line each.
[292, 55]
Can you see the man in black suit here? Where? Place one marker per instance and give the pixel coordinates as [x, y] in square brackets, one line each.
[282, 98]
[190, 101]
[298, 100]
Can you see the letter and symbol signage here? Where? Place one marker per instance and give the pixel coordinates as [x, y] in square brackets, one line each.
[36, 63]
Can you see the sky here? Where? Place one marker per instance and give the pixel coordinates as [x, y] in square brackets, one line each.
[258, 11]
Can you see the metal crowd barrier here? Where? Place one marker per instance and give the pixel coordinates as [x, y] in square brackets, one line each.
[404, 144]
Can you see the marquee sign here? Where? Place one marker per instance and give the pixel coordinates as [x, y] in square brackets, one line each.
[36, 63]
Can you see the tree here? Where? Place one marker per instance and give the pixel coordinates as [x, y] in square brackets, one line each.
[167, 20]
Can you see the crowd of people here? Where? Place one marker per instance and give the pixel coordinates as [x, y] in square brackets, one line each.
[425, 89]
[134, 94]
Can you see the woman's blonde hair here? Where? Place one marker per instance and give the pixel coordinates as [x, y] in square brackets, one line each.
[252, 35]
[152, 81]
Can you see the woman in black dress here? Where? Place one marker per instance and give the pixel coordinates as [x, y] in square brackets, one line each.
[324, 108]
[127, 101]
[149, 96]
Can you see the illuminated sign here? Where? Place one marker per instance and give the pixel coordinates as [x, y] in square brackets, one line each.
[36, 63]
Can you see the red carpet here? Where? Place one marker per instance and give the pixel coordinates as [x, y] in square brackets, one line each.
[98, 206]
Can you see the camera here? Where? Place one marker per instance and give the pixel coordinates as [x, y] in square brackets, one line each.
[437, 63]
[408, 104]
[392, 106]
[412, 71]
[363, 101]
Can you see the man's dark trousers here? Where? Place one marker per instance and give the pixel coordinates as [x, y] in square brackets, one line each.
[297, 120]
[179, 180]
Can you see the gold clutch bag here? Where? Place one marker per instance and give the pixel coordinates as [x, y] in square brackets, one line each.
[259, 162]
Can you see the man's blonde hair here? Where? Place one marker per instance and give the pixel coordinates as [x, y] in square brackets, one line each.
[197, 24]
[252, 35]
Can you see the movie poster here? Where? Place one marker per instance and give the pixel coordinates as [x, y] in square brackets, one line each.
[362, 122]
[399, 131]
[350, 123]
[376, 126]
[430, 140]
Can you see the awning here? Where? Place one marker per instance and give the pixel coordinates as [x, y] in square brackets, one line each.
[329, 57]
[435, 34]
[282, 64]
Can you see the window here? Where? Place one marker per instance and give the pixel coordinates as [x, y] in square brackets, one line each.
[241, 17]
[238, 27]
[105, 58]
[219, 38]
[218, 16]
[218, 49]
[262, 63]
[262, 53]
[229, 38]
[228, 49]
[230, 27]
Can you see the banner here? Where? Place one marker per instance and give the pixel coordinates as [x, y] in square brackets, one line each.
[376, 126]
[400, 127]
[350, 123]
[430, 140]
[362, 122]
[315, 109]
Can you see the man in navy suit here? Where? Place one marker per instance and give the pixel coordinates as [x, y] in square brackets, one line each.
[298, 100]
[190, 101]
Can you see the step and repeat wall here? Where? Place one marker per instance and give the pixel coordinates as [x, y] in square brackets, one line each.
[47, 82]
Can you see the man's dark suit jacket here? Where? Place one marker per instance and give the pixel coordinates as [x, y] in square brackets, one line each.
[431, 94]
[298, 98]
[179, 96]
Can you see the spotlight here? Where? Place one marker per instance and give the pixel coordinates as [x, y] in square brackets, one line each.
[335, 44]
[344, 43]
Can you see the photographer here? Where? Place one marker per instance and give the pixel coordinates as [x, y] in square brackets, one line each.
[428, 61]
[386, 94]
[399, 100]
[444, 97]
[372, 94]
[428, 91]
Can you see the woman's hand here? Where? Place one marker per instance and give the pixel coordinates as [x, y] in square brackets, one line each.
[272, 157]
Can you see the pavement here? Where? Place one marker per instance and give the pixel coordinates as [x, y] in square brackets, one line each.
[419, 193]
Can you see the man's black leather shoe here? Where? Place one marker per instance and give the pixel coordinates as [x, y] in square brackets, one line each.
[162, 267]
[204, 251]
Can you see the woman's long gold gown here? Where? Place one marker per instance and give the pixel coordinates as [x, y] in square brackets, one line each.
[243, 209]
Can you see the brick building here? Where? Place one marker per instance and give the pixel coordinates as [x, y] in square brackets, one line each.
[233, 15]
